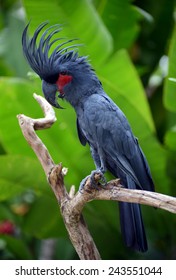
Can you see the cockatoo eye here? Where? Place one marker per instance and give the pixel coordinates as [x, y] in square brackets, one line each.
[64, 73]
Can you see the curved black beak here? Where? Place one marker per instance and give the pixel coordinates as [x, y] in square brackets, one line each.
[50, 93]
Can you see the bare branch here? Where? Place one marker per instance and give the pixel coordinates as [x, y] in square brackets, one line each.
[115, 191]
[49, 114]
[28, 125]
[71, 205]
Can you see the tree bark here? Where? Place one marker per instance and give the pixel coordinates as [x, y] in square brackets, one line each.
[71, 204]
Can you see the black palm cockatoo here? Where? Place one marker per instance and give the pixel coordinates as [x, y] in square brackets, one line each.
[100, 122]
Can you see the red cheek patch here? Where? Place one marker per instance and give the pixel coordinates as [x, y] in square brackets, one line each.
[62, 81]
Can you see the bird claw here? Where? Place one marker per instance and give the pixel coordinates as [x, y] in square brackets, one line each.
[93, 180]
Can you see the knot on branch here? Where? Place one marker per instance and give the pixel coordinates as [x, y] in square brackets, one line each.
[56, 180]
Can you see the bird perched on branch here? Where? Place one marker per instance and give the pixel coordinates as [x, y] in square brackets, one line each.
[100, 122]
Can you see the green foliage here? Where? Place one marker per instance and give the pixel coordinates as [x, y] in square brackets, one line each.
[115, 35]
[16, 247]
[170, 85]
[121, 19]
[170, 92]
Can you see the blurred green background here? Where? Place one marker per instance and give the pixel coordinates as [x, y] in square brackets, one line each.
[132, 46]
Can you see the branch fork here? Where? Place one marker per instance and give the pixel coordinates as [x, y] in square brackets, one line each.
[71, 204]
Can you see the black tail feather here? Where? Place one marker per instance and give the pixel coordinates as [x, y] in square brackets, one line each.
[132, 226]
